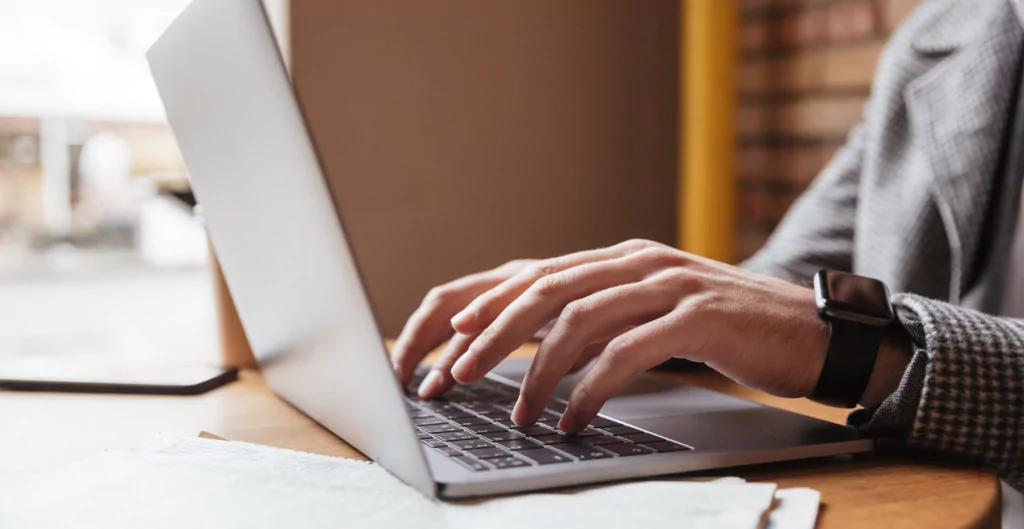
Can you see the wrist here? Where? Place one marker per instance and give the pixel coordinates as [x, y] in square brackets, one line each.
[894, 354]
[816, 348]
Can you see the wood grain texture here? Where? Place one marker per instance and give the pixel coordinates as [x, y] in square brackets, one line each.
[46, 430]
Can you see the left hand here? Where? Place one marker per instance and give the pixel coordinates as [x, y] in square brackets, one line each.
[629, 308]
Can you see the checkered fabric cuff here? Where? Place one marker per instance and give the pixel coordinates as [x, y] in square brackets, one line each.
[963, 392]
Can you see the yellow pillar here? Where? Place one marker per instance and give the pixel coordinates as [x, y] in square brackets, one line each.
[707, 139]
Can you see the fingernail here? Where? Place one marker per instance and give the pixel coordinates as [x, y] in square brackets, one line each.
[463, 368]
[520, 412]
[431, 384]
[466, 317]
[567, 423]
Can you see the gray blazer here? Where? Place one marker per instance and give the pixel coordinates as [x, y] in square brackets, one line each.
[923, 196]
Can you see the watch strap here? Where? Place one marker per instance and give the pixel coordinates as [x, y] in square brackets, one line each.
[852, 350]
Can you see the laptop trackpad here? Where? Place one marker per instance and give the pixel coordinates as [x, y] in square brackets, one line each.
[647, 396]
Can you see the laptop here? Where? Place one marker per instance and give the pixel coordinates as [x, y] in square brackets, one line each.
[305, 310]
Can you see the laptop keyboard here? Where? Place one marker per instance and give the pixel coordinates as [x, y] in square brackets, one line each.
[473, 426]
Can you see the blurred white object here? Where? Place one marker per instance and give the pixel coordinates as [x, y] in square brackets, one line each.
[105, 167]
[169, 236]
[174, 482]
[85, 59]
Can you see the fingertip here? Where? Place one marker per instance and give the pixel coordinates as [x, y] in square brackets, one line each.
[570, 423]
[463, 369]
[521, 414]
[432, 385]
[463, 322]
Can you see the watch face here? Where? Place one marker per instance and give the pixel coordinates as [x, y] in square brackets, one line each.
[854, 297]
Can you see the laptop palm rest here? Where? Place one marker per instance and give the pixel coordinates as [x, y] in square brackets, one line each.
[698, 417]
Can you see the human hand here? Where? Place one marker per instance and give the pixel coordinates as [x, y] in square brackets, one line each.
[630, 307]
[430, 326]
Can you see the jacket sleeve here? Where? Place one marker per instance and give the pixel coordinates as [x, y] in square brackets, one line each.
[963, 392]
[817, 232]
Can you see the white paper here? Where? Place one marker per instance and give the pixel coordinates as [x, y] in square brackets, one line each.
[178, 483]
[795, 508]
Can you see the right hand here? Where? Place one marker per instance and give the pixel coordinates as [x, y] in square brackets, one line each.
[430, 326]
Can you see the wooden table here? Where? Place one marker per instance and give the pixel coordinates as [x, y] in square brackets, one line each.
[39, 431]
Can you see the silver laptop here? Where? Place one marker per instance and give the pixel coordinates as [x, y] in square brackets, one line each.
[306, 312]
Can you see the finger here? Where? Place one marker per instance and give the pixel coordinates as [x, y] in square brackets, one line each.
[544, 300]
[589, 353]
[584, 322]
[628, 354]
[429, 326]
[439, 379]
[483, 310]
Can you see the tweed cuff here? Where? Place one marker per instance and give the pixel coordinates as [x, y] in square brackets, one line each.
[963, 392]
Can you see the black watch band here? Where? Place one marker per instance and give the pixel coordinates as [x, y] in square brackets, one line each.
[852, 350]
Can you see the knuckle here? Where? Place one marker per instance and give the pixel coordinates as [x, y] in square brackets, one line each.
[487, 337]
[636, 245]
[516, 264]
[584, 393]
[701, 305]
[659, 256]
[550, 284]
[618, 353]
[694, 310]
[438, 295]
[681, 279]
[546, 267]
[574, 313]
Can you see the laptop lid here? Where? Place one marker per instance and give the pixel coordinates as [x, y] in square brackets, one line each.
[277, 235]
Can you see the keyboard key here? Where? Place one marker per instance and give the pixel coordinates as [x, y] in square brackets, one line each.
[455, 413]
[507, 462]
[601, 440]
[501, 436]
[471, 463]
[419, 414]
[455, 436]
[626, 449]
[485, 428]
[448, 451]
[621, 429]
[588, 432]
[472, 444]
[471, 420]
[436, 405]
[601, 422]
[542, 456]
[485, 408]
[554, 438]
[504, 420]
[643, 438]
[518, 444]
[581, 451]
[488, 453]
[433, 443]
[427, 421]
[438, 428]
[665, 446]
[533, 430]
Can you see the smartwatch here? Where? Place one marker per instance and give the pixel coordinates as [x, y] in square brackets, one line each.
[857, 311]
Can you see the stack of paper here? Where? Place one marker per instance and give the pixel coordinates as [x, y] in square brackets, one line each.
[177, 483]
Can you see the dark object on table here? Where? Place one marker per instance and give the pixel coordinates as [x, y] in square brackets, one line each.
[105, 374]
[681, 364]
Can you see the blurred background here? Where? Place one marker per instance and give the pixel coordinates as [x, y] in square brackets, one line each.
[457, 135]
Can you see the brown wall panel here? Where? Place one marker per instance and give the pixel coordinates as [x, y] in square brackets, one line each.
[459, 134]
